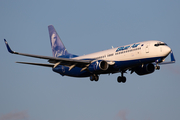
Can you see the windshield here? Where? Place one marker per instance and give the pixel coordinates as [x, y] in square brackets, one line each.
[160, 44]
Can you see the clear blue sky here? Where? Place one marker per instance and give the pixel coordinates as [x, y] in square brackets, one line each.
[37, 93]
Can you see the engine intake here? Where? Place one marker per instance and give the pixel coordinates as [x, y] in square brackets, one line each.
[99, 65]
[145, 69]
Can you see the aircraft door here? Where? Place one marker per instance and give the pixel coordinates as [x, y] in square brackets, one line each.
[147, 48]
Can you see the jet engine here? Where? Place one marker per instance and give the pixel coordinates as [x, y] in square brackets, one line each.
[98, 66]
[145, 69]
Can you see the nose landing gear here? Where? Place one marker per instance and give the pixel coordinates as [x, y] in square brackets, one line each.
[157, 67]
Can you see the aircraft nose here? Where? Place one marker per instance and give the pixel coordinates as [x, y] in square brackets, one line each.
[167, 50]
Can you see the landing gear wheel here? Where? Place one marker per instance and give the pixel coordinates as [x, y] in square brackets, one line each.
[119, 79]
[123, 79]
[94, 77]
[157, 67]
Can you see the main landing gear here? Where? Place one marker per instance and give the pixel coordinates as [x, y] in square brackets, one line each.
[94, 77]
[121, 78]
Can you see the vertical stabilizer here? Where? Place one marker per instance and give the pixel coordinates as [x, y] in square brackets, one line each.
[58, 49]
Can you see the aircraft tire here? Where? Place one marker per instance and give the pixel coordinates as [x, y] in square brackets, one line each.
[119, 78]
[92, 77]
[123, 79]
[96, 78]
[157, 67]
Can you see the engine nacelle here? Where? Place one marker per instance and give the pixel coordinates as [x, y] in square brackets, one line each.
[145, 69]
[98, 66]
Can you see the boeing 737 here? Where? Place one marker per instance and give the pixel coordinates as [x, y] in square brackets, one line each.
[141, 57]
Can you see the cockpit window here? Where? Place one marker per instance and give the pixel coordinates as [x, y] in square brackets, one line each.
[160, 44]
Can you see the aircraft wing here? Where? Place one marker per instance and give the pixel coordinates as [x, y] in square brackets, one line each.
[39, 64]
[55, 60]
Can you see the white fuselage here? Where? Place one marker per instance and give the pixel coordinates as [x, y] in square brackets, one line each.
[140, 50]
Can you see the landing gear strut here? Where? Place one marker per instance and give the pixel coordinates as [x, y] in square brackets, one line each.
[94, 77]
[121, 78]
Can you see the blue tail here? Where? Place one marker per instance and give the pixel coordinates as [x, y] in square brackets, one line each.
[58, 49]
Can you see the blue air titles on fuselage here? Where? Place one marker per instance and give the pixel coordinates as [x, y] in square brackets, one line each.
[121, 50]
[126, 47]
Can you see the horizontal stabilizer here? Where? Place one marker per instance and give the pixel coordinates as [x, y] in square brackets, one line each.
[39, 64]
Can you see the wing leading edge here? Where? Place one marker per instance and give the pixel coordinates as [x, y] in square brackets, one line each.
[56, 61]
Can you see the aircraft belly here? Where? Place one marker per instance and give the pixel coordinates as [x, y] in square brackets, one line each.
[131, 63]
[74, 72]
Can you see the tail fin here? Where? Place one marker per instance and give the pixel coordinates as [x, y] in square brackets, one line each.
[58, 49]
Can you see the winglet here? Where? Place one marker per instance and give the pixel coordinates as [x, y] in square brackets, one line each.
[9, 49]
[172, 57]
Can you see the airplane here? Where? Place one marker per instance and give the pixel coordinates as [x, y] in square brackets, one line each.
[142, 58]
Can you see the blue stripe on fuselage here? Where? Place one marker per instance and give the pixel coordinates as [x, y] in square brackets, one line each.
[117, 67]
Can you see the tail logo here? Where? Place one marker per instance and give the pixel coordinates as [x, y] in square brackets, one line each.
[57, 46]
